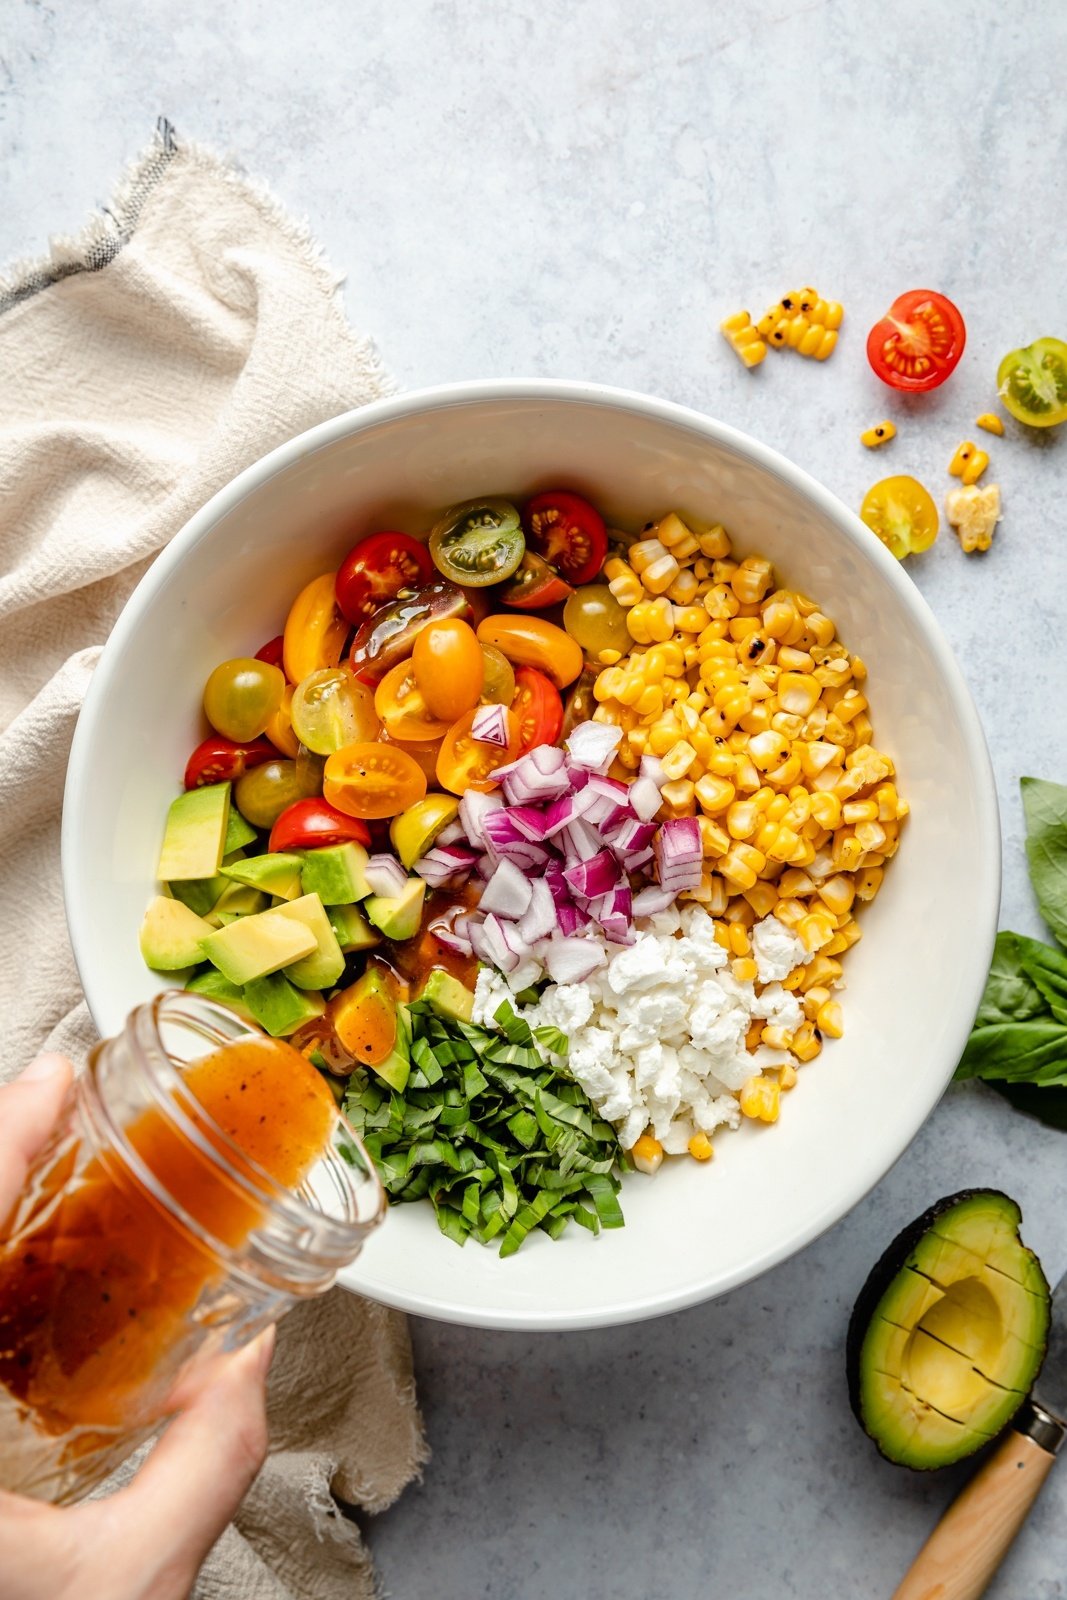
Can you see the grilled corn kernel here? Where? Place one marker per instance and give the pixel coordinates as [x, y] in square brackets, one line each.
[673, 533]
[837, 895]
[742, 864]
[759, 1099]
[714, 839]
[829, 1020]
[740, 943]
[815, 930]
[868, 882]
[678, 797]
[683, 591]
[798, 692]
[778, 1038]
[679, 758]
[807, 1042]
[991, 423]
[647, 1154]
[658, 576]
[714, 542]
[762, 898]
[968, 463]
[651, 620]
[714, 793]
[880, 434]
[752, 580]
[690, 619]
[700, 1147]
[813, 999]
[787, 1075]
[742, 819]
[721, 603]
[744, 969]
[743, 338]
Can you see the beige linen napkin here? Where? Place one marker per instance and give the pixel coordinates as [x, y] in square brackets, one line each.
[190, 328]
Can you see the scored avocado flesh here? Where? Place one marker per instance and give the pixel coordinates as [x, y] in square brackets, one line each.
[949, 1333]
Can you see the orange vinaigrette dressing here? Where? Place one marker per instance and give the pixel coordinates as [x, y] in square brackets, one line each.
[99, 1278]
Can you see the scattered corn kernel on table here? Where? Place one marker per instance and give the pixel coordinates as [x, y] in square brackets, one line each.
[589, 191]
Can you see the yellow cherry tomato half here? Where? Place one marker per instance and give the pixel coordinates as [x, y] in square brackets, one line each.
[241, 696]
[402, 710]
[372, 780]
[903, 515]
[448, 666]
[424, 755]
[465, 763]
[279, 729]
[315, 631]
[498, 679]
[331, 708]
[529, 641]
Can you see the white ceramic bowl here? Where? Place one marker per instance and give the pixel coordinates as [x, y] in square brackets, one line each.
[224, 586]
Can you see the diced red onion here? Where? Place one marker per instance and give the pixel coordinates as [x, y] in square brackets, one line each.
[473, 809]
[571, 918]
[507, 892]
[498, 952]
[547, 758]
[645, 799]
[652, 767]
[649, 902]
[384, 875]
[451, 939]
[539, 919]
[594, 877]
[593, 745]
[633, 836]
[445, 866]
[573, 960]
[634, 860]
[614, 912]
[580, 842]
[561, 813]
[679, 853]
[527, 972]
[490, 726]
[529, 821]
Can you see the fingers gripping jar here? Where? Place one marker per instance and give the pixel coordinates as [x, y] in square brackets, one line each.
[201, 1180]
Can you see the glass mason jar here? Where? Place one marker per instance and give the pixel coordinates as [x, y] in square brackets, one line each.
[147, 1239]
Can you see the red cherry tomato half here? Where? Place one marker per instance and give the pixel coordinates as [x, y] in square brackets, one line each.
[271, 652]
[535, 586]
[312, 824]
[376, 569]
[220, 760]
[918, 342]
[568, 533]
[538, 707]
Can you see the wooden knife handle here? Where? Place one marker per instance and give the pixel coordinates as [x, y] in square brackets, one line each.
[958, 1560]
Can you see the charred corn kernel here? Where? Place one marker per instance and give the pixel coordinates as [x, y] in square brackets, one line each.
[777, 1037]
[690, 619]
[645, 553]
[723, 571]
[991, 423]
[974, 513]
[847, 850]
[744, 968]
[880, 434]
[743, 338]
[752, 1037]
[714, 542]
[798, 692]
[793, 980]
[830, 1020]
[684, 589]
[826, 345]
[778, 619]
[792, 660]
[623, 581]
[821, 971]
[740, 943]
[868, 882]
[752, 580]
[659, 575]
[762, 897]
[741, 628]
[650, 702]
[678, 795]
[968, 463]
[791, 912]
[721, 603]
[815, 997]
[742, 819]
[815, 930]
[837, 894]
[699, 1147]
[713, 793]
[795, 882]
[806, 1042]
[854, 811]
[742, 865]
[787, 1076]
[647, 1154]
[650, 620]
[759, 1099]
[714, 838]
[679, 758]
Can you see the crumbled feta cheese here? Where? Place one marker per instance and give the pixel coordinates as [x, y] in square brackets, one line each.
[776, 950]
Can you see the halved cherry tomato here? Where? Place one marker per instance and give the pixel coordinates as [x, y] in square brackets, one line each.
[241, 696]
[279, 729]
[538, 707]
[535, 586]
[918, 342]
[389, 636]
[376, 569]
[265, 791]
[568, 532]
[312, 824]
[903, 515]
[373, 780]
[498, 680]
[315, 631]
[595, 618]
[449, 668]
[478, 542]
[533, 642]
[222, 761]
[332, 708]
[402, 709]
[1032, 382]
[423, 754]
[271, 652]
[465, 763]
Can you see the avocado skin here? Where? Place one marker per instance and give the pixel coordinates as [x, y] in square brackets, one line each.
[881, 1275]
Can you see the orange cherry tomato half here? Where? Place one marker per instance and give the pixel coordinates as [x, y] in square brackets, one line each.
[376, 569]
[423, 754]
[315, 631]
[535, 586]
[313, 824]
[402, 708]
[465, 763]
[220, 760]
[568, 533]
[279, 729]
[529, 641]
[918, 342]
[449, 668]
[538, 708]
[372, 780]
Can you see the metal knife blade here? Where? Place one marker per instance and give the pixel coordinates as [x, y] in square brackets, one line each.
[1050, 1390]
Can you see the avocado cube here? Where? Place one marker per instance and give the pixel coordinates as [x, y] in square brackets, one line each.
[320, 967]
[275, 873]
[279, 1006]
[398, 915]
[236, 900]
[255, 945]
[213, 986]
[171, 935]
[194, 841]
[238, 832]
[351, 928]
[336, 873]
[447, 996]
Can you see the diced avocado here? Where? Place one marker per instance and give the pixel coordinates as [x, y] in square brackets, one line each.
[949, 1331]
[373, 1028]
[279, 1006]
[447, 996]
[237, 900]
[414, 830]
[276, 874]
[398, 915]
[253, 946]
[351, 928]
[194, 842]
[336, 873]
[238, 832]
[171, 935]
[213, 986]
[321, 967]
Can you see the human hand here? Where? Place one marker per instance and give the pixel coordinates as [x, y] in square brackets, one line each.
[147, 1541]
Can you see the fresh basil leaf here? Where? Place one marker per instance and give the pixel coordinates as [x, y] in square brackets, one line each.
[1047, 1104]
[1034, 1050]
[1045, 807]
[1047, 969]
[1010, 993]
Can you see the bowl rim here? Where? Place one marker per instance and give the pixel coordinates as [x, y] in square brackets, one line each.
[80, 915]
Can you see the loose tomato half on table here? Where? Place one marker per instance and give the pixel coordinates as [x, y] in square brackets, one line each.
[919, 341]
[376, 569]
[219, 760]
[538, 707]
[313, 824]
[567, 533]
[1032, 383]
[903, 515]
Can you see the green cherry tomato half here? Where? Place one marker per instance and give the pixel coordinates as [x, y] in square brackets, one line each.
[1032, 383]
[241, 696]
[595, 618]
[479, 542]
[903, 515]
[498, 683]
[265, 792]
[332, 708]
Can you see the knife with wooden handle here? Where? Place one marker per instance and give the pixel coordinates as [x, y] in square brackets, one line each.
[960, 1557]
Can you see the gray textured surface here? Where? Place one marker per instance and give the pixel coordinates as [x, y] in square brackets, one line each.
[583, 191]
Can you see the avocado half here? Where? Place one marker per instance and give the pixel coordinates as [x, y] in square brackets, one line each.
[949, 1331]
